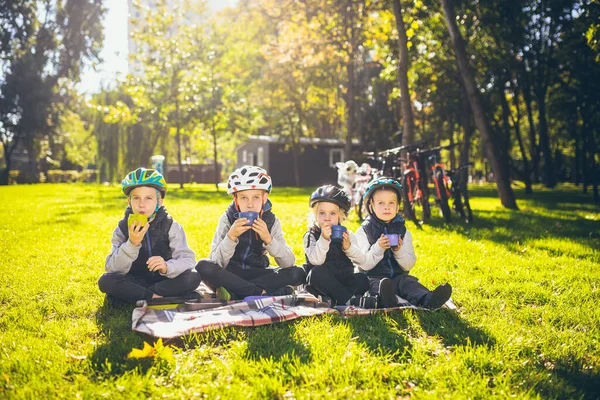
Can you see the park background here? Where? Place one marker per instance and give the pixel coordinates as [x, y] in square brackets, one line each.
[514, 84]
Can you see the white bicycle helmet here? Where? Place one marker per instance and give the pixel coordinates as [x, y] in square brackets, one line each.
[249, 177]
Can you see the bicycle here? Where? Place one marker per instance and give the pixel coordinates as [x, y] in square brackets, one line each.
[440, 180]
[414, 179]
[459, 193]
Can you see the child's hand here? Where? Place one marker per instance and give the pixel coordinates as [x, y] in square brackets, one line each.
[396, 248]
[238, 227]
[137, 232]
[326, 231]
[157, 263]
[383, 242]
[260, 227]
[346, 240]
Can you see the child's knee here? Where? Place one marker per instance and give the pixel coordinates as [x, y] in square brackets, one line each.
[206, 267]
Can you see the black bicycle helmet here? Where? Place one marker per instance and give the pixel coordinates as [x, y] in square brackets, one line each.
[330, 194]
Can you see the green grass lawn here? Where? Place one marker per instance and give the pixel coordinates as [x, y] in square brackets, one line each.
[527, 285]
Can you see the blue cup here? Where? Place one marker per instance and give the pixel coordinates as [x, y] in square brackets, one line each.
[250, 215]
[337, 233]
[393, 238]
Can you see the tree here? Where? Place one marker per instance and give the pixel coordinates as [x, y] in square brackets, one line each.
[408, 133]
[499, 163]
[44, 45]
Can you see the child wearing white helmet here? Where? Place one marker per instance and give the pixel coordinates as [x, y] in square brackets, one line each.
[247, 232]
[389, 252]
[150, 256]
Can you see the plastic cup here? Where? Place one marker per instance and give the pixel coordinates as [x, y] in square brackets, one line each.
[250, 215]
[393, 238]
[337, 233]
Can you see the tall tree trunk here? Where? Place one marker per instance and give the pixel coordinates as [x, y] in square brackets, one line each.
[350, 68]
[215, 154]
[517, 125]
[178, 139]
[408, 124]
[499, 161]
[549, 177]
[533, 147]
[467, 134]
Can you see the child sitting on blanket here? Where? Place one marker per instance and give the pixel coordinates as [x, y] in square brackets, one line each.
[387, 264]
[150, 256]
[330, 261]
[239, 266]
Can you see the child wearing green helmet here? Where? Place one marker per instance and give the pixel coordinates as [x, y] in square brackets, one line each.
[389, 252]
[150, 256]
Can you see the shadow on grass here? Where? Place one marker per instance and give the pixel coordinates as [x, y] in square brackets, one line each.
[110, 358]
[276, 341]
[508, 228]
[383, 333]
[567, 377]
[452, 329]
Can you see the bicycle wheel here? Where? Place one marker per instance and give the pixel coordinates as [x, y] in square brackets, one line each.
[458, 203]
[443, 196]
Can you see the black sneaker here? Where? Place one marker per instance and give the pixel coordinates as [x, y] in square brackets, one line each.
[363, 301]
[387, 294]
[282, 291]
[438, 297]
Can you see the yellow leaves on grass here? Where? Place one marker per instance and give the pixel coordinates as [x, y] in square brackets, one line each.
[157, 351]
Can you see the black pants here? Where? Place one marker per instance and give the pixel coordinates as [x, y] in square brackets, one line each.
[129, 287]
[339, 284]
[243, 282]
[407, 286]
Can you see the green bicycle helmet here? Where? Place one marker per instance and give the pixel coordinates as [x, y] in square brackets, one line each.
[144, 177]
[380, 183]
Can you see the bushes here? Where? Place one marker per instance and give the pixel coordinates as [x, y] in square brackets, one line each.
[70, 176]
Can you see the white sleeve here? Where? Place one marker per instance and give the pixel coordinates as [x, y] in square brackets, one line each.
[278, 248]
[222, 248]
[123, 253]
[372, 254]
[183, 258]
[317, 249]
[354, 252]
[405, 255]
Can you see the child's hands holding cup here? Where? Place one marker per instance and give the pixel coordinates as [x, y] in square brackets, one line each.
[383, 242]
[345, 240]
[326, 231]
[237, 228]
[259, 226]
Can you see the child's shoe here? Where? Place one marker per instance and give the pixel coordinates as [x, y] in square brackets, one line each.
[223, 294]
[438, 297]
[363, 301]
[387, 294]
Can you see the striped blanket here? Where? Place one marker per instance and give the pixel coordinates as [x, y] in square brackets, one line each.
[176, 322]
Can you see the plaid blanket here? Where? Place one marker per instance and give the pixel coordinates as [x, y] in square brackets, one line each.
[176, 322]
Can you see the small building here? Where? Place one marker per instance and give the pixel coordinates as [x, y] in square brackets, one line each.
[192, 173]
[317, 160]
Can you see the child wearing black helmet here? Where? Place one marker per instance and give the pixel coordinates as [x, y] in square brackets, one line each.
[389, 251]
[150, 256]
[329, 262]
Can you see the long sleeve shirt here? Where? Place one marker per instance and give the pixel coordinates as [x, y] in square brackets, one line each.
[222, 248]
[124, 253]
[405, 255]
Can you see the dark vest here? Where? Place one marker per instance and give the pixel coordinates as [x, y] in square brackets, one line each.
[154, 243]
[336, 256]
[374, 227]
[249, 251]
